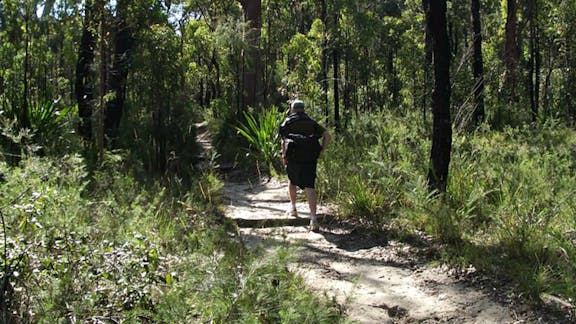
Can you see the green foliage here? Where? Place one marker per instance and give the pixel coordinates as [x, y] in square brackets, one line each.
[232, 289]
[45, 118]
[303, 53]
[50, 129]
[87, 246]
[508, 207]
[379, 159]
[261, 132]
[363, 199]
[508, 210]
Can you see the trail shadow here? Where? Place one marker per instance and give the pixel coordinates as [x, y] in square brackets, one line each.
[352, 237]
[252, 206]
[351, 243]
[345, 252]
[356, 239]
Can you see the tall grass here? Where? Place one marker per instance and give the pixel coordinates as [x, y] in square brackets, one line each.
[509, 208]
[102, 246]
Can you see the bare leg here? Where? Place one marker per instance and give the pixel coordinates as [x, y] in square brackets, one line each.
[311, 194]
[292, 195]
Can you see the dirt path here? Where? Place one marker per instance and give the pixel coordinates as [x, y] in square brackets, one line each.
[374, 279]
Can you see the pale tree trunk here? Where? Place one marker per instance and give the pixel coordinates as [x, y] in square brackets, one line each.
[511, 54]
[25, 122]
[478, 63]
[324, 59]
[335, 66]
[427, 59]
[346, 80]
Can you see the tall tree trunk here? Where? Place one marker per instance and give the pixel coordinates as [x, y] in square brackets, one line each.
[102, 73]
[534, 62]
[118, 73]
[537, 74]
[569, 77]
[367, 96]
[442, 127]
[427, 59]
[252, 69]
[324, 59]
[393, 77]
[478, 63]
[546, 91]
[182, 23]
[217, 87]
[511, 54]
[48, 5]
[84, 85]
[239, 72]
[346, 94]
[25, 122]
[266, 80]
[335, 66]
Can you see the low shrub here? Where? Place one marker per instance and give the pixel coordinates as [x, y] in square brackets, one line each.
[102, 246]
[508, 209]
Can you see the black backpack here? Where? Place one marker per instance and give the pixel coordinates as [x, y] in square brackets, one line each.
[302, 148]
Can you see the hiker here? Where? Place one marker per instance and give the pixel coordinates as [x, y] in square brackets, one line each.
[300, 151]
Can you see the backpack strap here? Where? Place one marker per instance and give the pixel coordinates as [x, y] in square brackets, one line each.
[293, 118]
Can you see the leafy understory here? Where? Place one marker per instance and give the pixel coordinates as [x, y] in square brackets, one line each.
[103, 247]
[509, 209]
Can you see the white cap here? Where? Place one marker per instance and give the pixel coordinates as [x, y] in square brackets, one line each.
[297, 105]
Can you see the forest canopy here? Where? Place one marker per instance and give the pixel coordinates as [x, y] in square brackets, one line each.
[126, 70]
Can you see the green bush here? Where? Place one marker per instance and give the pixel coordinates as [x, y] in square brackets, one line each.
[508, 209]
[102, 246]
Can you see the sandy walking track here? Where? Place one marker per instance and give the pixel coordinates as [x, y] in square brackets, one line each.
[374, 279]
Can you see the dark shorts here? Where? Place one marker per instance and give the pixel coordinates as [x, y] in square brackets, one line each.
[302, 174]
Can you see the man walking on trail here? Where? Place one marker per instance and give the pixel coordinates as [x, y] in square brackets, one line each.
[301, 150]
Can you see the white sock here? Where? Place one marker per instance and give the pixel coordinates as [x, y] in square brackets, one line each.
[293, 206]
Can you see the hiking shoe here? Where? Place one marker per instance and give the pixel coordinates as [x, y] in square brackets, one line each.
[314, 226]
[293, 213]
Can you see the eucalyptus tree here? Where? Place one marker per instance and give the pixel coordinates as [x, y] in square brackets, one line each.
[442, 126]
[17, 19]
[567, 50]
[511, 56]
[85, 77]
[211, 49]
[323, 77]
[252, 63]
[534, 57]
[120, 61]
[477, 62]
[335, 67]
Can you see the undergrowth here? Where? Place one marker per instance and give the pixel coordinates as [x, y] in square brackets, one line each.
[80, 246]
[509, 209]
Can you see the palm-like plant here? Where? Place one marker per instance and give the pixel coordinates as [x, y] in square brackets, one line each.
[261, 131]
[46, 118]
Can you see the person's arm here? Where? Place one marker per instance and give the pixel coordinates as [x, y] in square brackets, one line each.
[325, 140]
